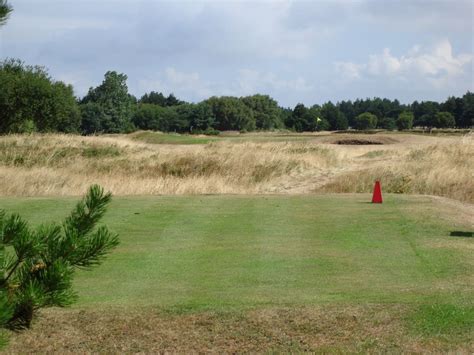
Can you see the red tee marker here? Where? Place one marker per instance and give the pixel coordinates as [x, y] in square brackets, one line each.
[377, 196]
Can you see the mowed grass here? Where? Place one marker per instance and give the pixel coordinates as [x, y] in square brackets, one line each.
[151, 137]
[228, 273]
[193, 253]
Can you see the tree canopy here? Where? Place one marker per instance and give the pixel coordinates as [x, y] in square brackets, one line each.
[31, 101]
[5, 10]
[112, 104]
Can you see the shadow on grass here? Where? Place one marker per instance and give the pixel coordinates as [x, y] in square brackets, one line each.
[461, 234]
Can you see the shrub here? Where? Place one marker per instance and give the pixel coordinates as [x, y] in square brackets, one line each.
[37, 265]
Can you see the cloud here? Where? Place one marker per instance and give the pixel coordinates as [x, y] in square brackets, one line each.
[436, 16]
[183, 84]
[437, 66]
[247, 82]
[284, 48]
[253, 81]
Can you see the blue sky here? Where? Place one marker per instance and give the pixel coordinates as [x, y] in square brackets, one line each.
[295, 51]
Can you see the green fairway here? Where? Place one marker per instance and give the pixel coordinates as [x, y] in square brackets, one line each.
[236, 252]
[174, 138]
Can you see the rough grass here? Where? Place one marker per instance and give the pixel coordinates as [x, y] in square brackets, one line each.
[66, 165]
[267, 273]
[333, 329]
[146, 163]
[436, 169]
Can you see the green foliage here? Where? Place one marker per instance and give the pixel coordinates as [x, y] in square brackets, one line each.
[231, 114]
[336, 119]
[404, 121]
[387, 123]
[444, 120]
[467, 117]
[166, 119]
[31, 101]
[424, 113]
[202, 119]
[5, 10]
[306, 119]
[159, 99]
[379, 107]
[154, 98]
[112, 106]
[365, 120]
[37, 265]
[266, 111]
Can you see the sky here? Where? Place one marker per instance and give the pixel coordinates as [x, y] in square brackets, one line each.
[295, 51]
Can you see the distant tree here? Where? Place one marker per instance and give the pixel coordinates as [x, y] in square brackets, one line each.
[365, 120]
[387, 123]
[424, 113]
[115, 103]
[201, 118]
[299, 118]
[92, 118]
[405, 120]
[171, 100]
[231, 114]
[158, 118]
[334, 116]
[154, 98]
[30, 100]
[444, 120]
[349, 111]
[467, 116]
[38, 264]
[316, 121]
[454, 105]
[266, 111]
[5, 10]
[148, 117]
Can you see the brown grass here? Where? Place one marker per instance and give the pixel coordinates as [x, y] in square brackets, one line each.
[33, 165]
[445, 168]
[370, 328]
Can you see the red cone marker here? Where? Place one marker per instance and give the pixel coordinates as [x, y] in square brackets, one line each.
[377, 196]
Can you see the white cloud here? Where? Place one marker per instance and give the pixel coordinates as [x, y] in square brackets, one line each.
[349, 70]
[437, 65]
[182, 84]
[253, 81]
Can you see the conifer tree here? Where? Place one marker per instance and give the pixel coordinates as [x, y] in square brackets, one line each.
[37, 265]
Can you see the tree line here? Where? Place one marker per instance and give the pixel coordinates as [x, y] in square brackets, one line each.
[32, 101]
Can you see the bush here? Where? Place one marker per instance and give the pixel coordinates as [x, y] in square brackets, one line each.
[37, 266]
[365, 120]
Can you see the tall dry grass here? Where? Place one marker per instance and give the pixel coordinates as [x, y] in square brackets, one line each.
[34, 165]
[445, 168]
[66, 165]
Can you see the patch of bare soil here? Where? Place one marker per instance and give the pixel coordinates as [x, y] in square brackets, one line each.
[361, 139]
[358, 142]
[371, 328]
